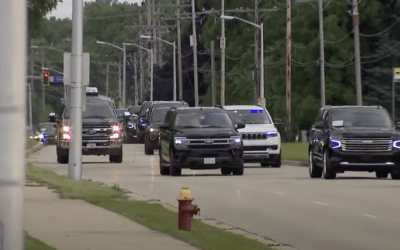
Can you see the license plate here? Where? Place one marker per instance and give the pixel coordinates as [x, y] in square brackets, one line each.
[209, 160]
[91, 145]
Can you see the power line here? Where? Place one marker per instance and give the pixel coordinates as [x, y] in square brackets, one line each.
[340, 40]
[382, 32]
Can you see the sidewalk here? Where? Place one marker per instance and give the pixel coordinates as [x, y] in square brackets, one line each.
[78, 225]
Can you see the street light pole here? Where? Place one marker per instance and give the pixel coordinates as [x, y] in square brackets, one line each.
[75, 152]
[124, 80]
[356, 22]
[13, 39]
[262, 95]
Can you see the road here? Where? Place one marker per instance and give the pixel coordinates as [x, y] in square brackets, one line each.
[354, 211]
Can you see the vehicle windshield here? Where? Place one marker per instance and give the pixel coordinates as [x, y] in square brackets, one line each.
[361, 118]
[158, 115]
[48, 127]
[203, 119]
[96, 110]
[134, 110]
[253, 116]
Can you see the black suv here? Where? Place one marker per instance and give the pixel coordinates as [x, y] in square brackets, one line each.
[157, 119]
[165, 104]
[354, 138]
[142, 121]
[101, 133]
[200, 138]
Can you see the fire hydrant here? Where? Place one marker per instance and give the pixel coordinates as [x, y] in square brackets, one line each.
[186, 209]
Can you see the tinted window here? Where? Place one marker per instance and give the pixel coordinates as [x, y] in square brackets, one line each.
[169, 105]
[256, 116]
[202, 119]
[145, 107]
[96, 110]
[361, 118]
[159, 115]
[134, 110]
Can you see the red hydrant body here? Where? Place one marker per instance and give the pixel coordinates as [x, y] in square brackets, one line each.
[186, 209]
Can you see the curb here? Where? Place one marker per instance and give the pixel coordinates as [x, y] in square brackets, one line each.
[295, 163]
[34, 149]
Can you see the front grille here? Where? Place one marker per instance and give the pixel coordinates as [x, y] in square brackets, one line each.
[208, 143]
[94, 132]
[366, 144]
[216, 146]
[259, 148]
[254, 136]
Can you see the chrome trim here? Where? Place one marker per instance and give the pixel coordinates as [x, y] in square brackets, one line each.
[367, 164]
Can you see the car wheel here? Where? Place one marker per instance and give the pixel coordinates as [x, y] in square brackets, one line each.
[163, 170]
[147, 149]
[277, 163]
[327, 171]
[173, 170]
[382, 174]
[395, 176]
[226, 171]
[117, 158]
[239, 170]
[265, 164]
[315, 172]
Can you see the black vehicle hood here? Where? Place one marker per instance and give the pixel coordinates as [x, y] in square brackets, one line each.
[198, 133]
[365, 132]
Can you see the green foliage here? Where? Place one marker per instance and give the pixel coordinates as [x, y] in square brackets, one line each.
[35, 244]
[37, 12]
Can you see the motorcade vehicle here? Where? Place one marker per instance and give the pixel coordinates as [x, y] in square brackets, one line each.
[354, 138]
[123, 116]
[261, 138]
[170, 104]
[142, 121]
[48, 133]
[157, 118]
[101, 132]
[200, 138]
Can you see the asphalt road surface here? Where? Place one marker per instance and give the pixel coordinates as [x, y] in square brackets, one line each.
[354, 211]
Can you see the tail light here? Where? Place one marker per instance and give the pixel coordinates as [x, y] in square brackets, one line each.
[116, 132]
[66, 131]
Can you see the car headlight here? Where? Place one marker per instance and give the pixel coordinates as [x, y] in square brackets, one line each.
[271, 133]
[66, 128]
[236, 141]
[153, 130]
[180, 142]
[335, 142]
[131, 125]
[396, 144]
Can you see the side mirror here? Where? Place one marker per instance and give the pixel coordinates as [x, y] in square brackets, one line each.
[398, 125]
[277, 121]
[319, 125]
[164, 126]
[240, 125]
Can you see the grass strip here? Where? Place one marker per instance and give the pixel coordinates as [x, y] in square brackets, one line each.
[35, 244]
[154, 216]
[31, 143]
[295, 151]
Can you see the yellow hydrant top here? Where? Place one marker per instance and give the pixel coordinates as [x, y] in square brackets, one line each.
[185, 194]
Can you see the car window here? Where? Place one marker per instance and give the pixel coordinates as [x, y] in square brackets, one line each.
[361, 118]
[254, 116]
[202, 119]
[159, 115]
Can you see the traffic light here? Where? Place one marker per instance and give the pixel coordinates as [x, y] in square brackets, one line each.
[46, 79]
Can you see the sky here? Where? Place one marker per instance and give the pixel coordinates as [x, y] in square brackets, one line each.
[64, 9]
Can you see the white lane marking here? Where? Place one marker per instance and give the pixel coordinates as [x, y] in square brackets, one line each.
[275, 192]
[321, 203]
[371, 216]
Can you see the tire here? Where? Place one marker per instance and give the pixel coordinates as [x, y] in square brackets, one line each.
[265, 164]
[277, 163]
[62, 158]
[314, 171]
[173, 170]
[395, 176]
[117, 158]
[147, 149]
[327, 171]
[239, 170]
[382, 174]
[226, 171]
[163, 170]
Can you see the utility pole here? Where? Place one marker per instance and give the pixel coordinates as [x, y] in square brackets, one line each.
[75, 151]
[124, 79]
[196, 85]
[30, 105]
[321, 51]
[178, 23]
[13, 72]
[43, 93]
[160, 61]
[222, 45]
[119, 84]
[141, 64]
[153, 27]
[213, 73]
[108, 65]
[31, 87]
[356, 22]
[256, 52]
[289, 69]
[174, 67]
[136, 85]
